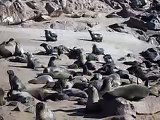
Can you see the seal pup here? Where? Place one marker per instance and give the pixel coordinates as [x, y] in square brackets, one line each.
[130, 92]
[97, 51]
[43, 113]
[52, 37]
[51, 61]
[48, 48]
[92, 105]
[15, 82]
[96, 76]
[95, 36]
[2, 102]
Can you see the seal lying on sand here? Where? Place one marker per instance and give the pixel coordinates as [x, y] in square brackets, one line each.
[129, 92]
[50, 36]
[95, 36]
[43, 113]
[97, 51]
[49, 49]
[41, 79]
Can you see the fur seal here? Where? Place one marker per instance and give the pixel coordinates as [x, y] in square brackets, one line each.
[51, 61]
[90, 65]
[32, 62]
[107, 86]
[74, 53]
[93, 98]
[130, 92]
[57, 96]
[41, 79]
[43, 113]
[91, 57]
[2, 102]
[80, 85]
[97, 51]
[18, 50]
[95, 36]
[50, 36]
[75, 92]
[106, 69]
[4, 52]
[48, 48]
[108, 59]
[15, 82]
[21, 96]
[18, 59]
[96, 76]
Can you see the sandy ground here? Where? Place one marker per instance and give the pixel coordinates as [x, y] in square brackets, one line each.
[116, 44]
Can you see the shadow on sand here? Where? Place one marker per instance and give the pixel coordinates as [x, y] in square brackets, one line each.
[86, 40]
[81, 112]
[39, 40]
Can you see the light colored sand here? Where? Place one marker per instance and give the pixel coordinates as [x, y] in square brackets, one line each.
[116, 44]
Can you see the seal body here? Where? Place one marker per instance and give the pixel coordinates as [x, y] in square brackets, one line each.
[129, 92]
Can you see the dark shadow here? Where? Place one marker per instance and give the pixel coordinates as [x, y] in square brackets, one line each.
[40, 53]
[86, 40]
[39, 40]
[17, 66]
[73, 112]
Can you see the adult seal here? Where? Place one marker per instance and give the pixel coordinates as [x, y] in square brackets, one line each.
[92, 105]
[43, 113]
[15, 82]
[130, 92]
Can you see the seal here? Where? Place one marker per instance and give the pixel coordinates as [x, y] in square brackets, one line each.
[32, 62]
[97, 51]
[95, 36]
[15, 82]
[4, 52]
[43, 113]
[18, 50]
[75, 92]
[130, 92]
[41, 79]
[50, 36]
[91, 57]
[48, 48]
[96, 76]
[90, 65]
[2, 102]
[107, 86]
[51, 61]
[92, 105]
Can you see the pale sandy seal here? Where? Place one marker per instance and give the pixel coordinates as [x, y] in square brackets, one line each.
[129, 92]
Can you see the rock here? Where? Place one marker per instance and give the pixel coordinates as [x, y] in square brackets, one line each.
[136, 23]
[149, 105]
[119, 107]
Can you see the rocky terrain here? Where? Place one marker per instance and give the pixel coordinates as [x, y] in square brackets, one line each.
[130, 30]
